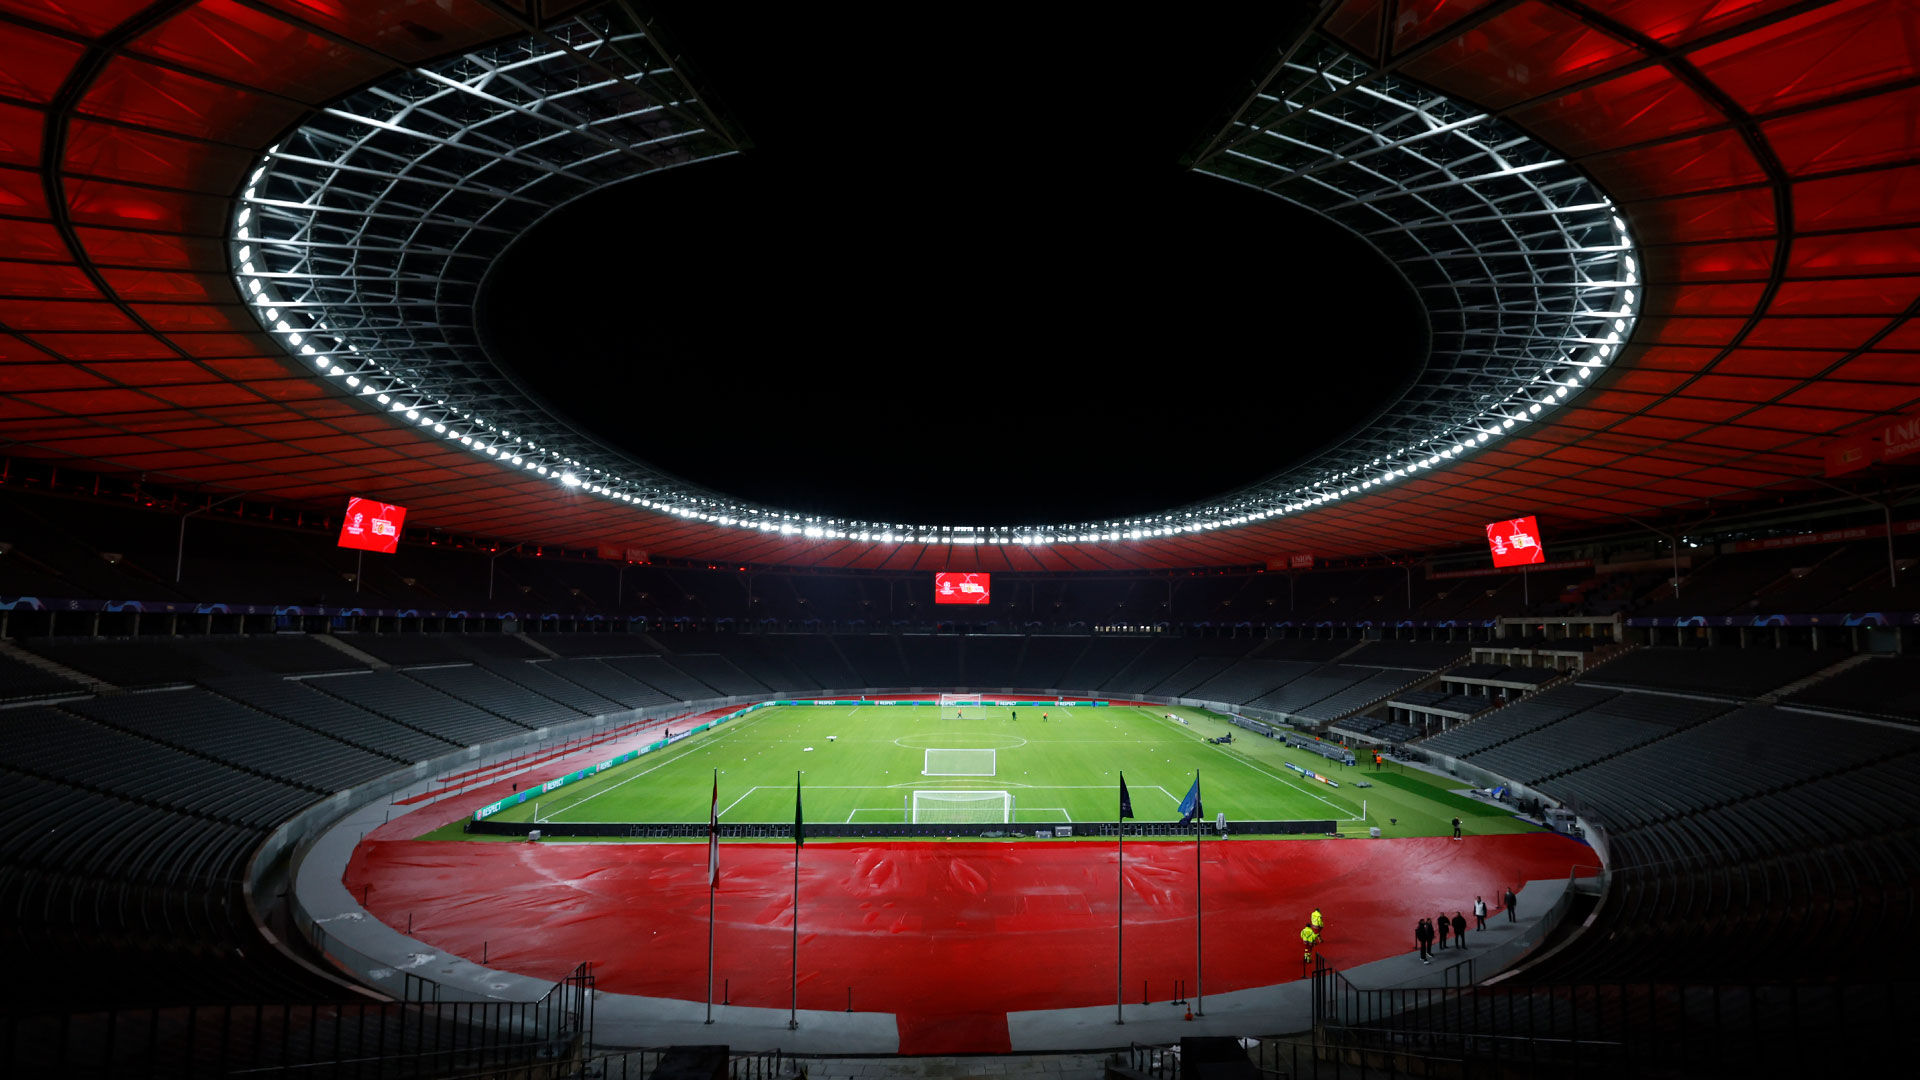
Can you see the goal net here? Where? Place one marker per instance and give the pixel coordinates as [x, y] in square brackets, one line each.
[960, 807]
[955, 706]
[959, 763]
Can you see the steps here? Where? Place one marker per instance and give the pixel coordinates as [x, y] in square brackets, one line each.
[1817, 677]
[538, 647]
[363, 659]
[87, 683]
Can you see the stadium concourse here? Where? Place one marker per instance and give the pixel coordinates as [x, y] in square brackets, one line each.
[1668, 258]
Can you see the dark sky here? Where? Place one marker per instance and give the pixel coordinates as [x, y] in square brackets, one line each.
[960, 277]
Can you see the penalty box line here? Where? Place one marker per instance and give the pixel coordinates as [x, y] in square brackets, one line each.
[892, 812]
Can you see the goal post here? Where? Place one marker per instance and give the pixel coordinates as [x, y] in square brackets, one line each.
[955, 706]
[960, 807]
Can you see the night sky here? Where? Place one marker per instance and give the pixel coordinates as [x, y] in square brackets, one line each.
[960, 277]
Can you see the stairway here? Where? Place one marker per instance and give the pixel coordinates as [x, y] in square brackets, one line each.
[1820, 676]
[536, 646]
[364, 659]
[87, 683]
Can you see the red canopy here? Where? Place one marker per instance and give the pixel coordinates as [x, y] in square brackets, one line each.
[1766, 154]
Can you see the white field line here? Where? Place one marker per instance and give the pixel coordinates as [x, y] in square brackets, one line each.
[691, 746]
[1289, 781]
[737, 802]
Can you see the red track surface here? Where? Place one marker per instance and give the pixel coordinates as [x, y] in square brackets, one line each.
[947, 936]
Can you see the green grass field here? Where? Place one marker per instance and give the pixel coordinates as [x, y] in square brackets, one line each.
[862, 765]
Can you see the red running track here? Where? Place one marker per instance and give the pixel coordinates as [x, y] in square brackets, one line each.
[949, 937]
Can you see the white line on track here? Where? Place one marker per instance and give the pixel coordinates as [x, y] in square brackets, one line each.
[691, 747]
[1248, 762]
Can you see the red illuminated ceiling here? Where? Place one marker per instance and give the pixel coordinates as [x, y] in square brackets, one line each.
[1766, 155]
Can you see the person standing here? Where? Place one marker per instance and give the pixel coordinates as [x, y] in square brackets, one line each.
[1456, 828]
[1314, 920]
[1460, 929]
[1423, 936]
[1479, 913]
[1442, 926]
[1512, 902]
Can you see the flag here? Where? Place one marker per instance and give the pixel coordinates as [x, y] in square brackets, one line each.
[1126, 801]
[713, 837]
[1190, 806]
[799, 833]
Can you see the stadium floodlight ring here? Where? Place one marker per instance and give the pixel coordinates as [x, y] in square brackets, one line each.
[361, 239]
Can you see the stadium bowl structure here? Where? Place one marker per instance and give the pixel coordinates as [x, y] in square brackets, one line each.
[1675, 243]
[1770, 221]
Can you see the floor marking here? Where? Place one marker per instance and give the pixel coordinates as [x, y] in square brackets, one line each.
[736, 802]
[703, 742]
[1248, 762]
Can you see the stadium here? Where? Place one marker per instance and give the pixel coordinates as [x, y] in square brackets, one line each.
[483, 588]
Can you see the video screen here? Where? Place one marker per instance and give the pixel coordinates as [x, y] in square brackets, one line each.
[372, 525]
[1515, 542]
[962, 588]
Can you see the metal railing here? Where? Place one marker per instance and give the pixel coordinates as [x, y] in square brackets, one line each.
[417, 1038]
[1599, 1028]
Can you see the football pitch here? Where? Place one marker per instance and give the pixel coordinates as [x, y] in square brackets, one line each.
[864, 765]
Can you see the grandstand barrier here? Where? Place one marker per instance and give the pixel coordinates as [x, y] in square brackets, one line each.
[823, 830]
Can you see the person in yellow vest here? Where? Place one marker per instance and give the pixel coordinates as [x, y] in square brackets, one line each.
[1308, 937]
[1314, 920]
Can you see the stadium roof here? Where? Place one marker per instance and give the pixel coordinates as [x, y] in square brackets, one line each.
[1728, 190]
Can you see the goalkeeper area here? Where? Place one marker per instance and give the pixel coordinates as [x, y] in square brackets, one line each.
[943, 762]
[960, 807]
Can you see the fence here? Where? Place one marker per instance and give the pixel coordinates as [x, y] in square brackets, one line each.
[1603, 1028]
[1272, 1059]
[368, 1041]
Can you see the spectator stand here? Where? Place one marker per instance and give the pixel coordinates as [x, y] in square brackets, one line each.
[1424, 709]
[1499, 684]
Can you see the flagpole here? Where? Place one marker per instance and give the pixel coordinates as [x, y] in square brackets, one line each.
[793, 1010]
[712, 841]
[1199, 906]
[1120, 921]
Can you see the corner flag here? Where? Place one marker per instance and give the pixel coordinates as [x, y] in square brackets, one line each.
[1190, 806]
[1126, 801]
[713, 837]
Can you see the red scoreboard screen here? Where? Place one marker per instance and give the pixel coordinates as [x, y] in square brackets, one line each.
[372, 525]
[1515, 542]
[962, 588]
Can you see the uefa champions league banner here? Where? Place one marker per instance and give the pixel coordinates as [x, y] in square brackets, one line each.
[559, 782]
